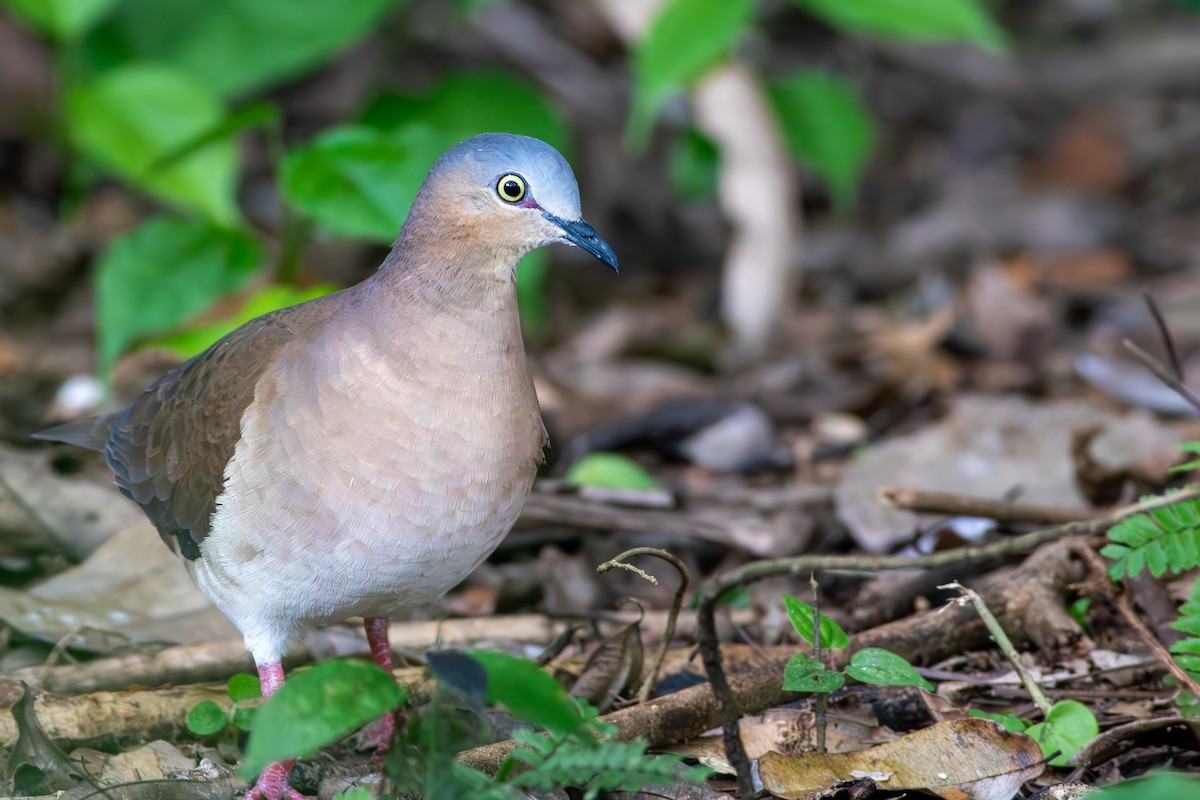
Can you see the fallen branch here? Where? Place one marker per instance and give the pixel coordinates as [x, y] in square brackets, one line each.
[961, 505]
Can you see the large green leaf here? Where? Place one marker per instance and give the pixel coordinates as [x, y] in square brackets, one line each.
[686, 38]
[130, 118]
[360, 182]
[801, 616]
[233, 46]
[915, 20]
[1068, 727]
[529, 692]
[194, 340]
[162, 273]
[885, 668]
[60, 19]
[826, 128]
[316, 707]
[469, 103]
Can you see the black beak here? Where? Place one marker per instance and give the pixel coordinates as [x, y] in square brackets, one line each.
[580, 234]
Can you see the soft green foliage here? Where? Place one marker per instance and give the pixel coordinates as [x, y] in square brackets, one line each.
[1188, 447]
[916, 20]
[60, 19]
[359, 182]
[611, 767]
[318, 706]
[529, 692]
[162, 273]
[233, 46]
[826, 128]
[1187, 651]
[192, 341]
[692, 165]
[884, 668]
[1159, 786]
[610, 471]
[684, 39]
[801, 616]
[355, 793]
[207, 717]
[130, 118]
[1166, 539]
[1069, 726]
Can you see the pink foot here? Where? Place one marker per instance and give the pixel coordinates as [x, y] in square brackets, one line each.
[272, 784]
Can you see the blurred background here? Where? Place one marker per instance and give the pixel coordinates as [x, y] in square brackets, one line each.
[832, 217]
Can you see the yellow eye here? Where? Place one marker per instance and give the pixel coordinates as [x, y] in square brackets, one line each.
[511, 188]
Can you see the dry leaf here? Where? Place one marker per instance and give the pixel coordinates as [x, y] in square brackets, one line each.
[969, 759]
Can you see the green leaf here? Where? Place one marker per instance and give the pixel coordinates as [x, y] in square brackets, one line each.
[318, 706]
[243, 686]
[832, 635]
[162, 273]
[256, 115]
[884, 668]
[469, 103]
[692, 166]
[610, 471]
[800, 672]
[823, 682]
[1160, 786]
[685, 39]
[529, 692]
[1010, 722]
[193, 341]
[826, 127]
[130, 118]
[1069, 726]
[359, 182]
[233, 46]
[912, 20]
[60, 19]
[206, 718]
[243, 718]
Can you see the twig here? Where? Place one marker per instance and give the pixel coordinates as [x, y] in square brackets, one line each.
[1004, 643]
[1165, 333]
[685, 580]
[962, 505]
[1121, 600]
[1163, 374]
[711, 593]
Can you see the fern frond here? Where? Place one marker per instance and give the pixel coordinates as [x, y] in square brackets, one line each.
[1166, 539]
[1187, 651]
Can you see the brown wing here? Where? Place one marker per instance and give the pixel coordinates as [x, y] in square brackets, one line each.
[168, 450]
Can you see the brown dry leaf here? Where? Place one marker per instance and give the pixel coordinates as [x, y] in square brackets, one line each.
[791, 730]
[969, 759]
[613, 668]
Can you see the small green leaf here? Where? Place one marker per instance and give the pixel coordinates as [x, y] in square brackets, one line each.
[692, 166]
[243, 686]
[318, 706]
[826, 128]
[1010, 722]
[912, 20]
[233, 46]
[1069, 726]
[799, 672]
[529, 692]
[131, 117]
[206, 718]
[800, 613]
[193, 341]
[823, 682]
[243, 718]
[162, 273]
[60, 19]
[684, 39]
[884, 668]
[610, 471]
[358, 182]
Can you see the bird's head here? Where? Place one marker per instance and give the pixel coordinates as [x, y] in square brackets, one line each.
[511, 192]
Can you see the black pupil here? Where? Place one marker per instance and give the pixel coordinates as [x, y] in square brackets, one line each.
[512, 188]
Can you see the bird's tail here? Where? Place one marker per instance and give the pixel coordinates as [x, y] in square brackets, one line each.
[91, 433]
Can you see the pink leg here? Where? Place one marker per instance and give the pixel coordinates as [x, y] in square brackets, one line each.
[378, 734]
[272, 784]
